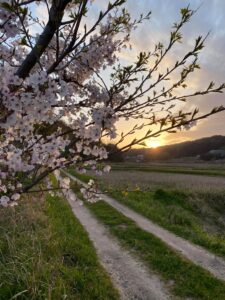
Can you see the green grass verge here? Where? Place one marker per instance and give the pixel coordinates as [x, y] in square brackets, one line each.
[185, 279]
[46, 254]
[195, 217]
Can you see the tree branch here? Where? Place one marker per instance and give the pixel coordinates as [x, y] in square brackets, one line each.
[55, 19]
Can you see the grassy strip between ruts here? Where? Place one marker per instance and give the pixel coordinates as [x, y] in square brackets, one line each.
[183, 277]
[46, 254]
[195, 217]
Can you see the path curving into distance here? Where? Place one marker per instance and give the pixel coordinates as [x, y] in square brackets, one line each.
[129, 276]
[198, 255]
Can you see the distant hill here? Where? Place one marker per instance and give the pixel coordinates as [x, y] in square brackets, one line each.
[194, 148]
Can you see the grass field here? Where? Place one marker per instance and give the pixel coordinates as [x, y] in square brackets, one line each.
[194, 212]
[184, 279]
[195, 217]
[192, 168]
[46, 254]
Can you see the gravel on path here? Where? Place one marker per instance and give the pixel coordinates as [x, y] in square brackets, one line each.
[130, 277]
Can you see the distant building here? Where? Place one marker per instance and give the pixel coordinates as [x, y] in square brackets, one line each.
[217, 154]
[213, 154]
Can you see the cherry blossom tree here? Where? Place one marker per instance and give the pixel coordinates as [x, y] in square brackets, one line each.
[57, 106]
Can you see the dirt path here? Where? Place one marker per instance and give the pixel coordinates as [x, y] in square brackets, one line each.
[198, 255]
[129, 276]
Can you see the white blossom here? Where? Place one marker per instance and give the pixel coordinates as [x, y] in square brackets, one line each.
[4, 201]
[59, 112]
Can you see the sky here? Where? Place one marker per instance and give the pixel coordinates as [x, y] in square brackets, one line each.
[210, 16]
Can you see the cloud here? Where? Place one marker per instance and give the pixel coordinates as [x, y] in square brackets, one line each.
[210, 16]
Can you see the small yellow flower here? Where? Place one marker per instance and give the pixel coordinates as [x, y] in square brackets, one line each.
[125, 193]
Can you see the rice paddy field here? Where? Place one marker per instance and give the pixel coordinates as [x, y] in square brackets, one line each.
[132, 179]
[216, 168]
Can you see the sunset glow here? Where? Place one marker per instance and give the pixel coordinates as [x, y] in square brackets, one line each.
[153, 143]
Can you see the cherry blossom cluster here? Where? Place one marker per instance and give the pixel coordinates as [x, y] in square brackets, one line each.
[9, 21]
[32, 141]
[56, 109]
[64, 184]
[30, 103]
[90, 192]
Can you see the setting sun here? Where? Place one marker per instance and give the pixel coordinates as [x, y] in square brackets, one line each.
[153, 143]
